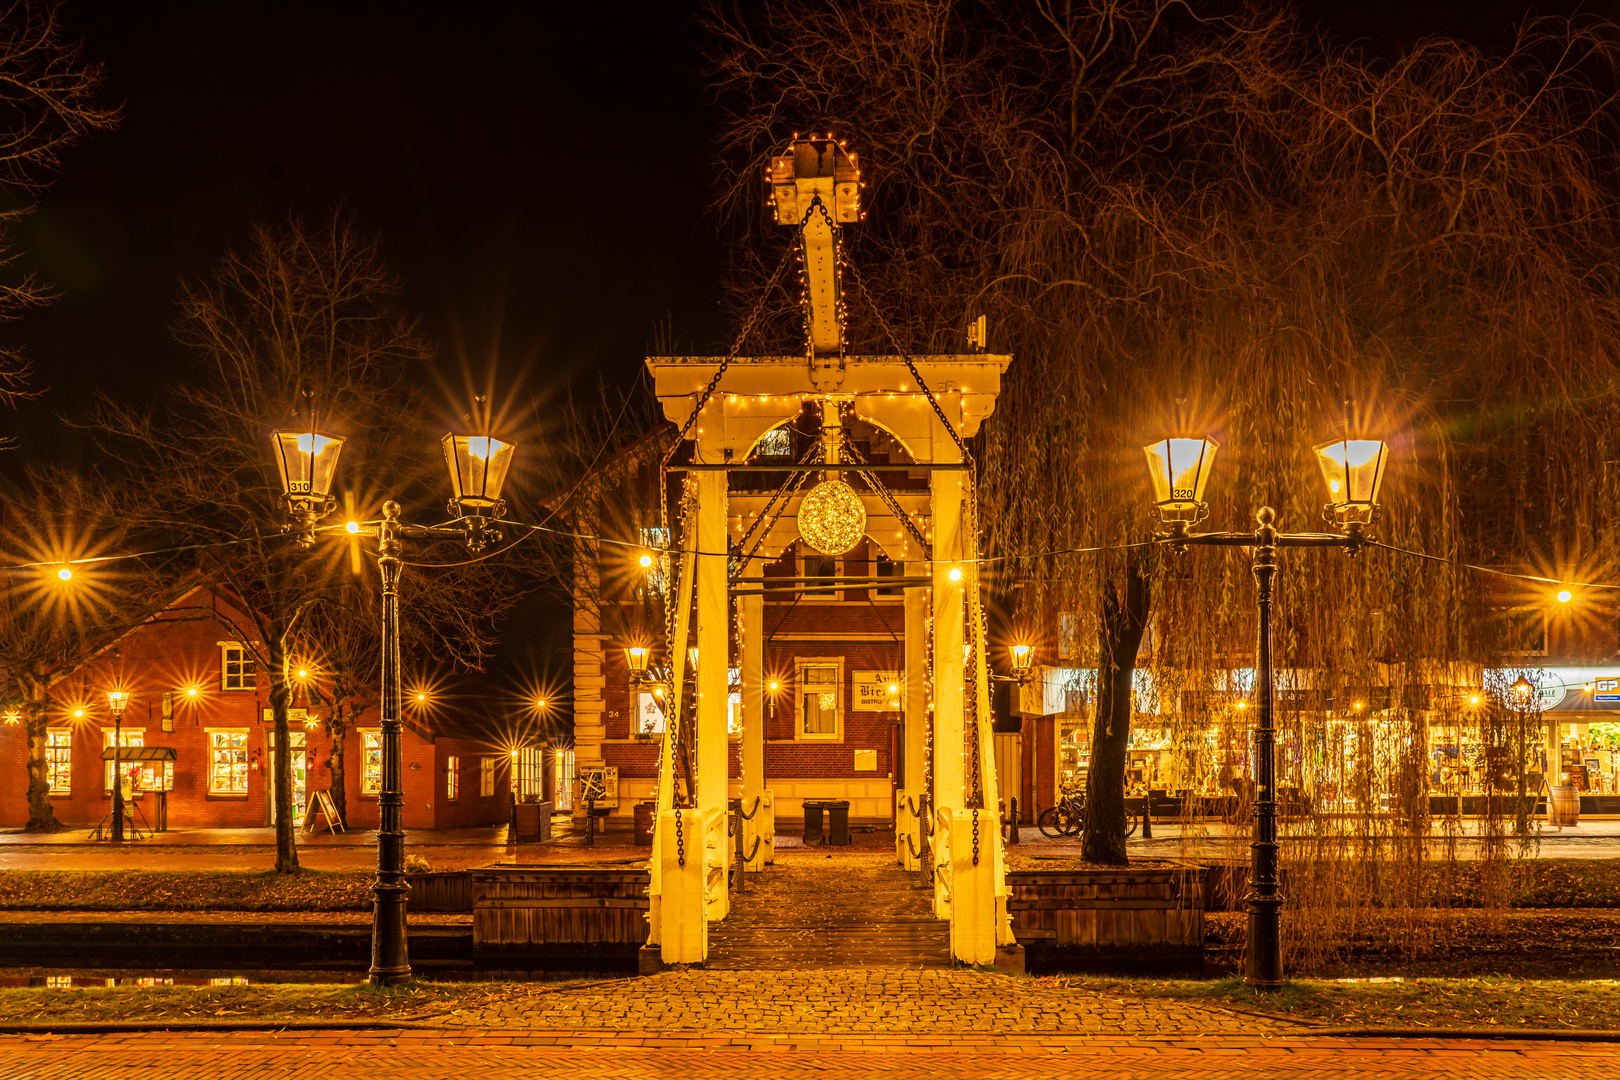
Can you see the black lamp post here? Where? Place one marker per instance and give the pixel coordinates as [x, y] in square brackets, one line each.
[478, 466]
[118, 701]
[1354, 471]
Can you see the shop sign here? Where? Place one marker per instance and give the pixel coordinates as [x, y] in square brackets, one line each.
[871, 691]
[1606, 690]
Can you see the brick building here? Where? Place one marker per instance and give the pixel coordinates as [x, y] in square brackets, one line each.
[196, 692]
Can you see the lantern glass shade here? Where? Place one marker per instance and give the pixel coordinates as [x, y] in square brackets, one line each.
[117, 700]
[1022, 657]
[636, 658]
[307, 461]
[1354, 471]
[1180, 469]
[478, 465]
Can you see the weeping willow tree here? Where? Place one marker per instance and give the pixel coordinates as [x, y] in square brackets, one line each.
[1181, 220]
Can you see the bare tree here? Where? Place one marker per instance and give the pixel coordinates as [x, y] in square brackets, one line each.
[50, 625]
[48, 102]
[1185, 215]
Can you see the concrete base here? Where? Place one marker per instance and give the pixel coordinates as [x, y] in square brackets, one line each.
[1010, 959]
[650, 961]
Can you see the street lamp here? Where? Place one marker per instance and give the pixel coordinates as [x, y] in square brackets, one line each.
[1354, 472]
[478, 465]
[118, 701]
[307, 461]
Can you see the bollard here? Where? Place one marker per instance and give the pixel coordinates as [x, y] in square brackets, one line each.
[1012, 837]
[1147, 818]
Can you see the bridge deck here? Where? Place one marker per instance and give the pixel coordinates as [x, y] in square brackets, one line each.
[851, 910]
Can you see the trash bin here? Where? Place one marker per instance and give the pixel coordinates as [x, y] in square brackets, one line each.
[812, 820]
[837, 822]
[646, 813]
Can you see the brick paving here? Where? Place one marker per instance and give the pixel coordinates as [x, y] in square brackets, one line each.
[455, 1053]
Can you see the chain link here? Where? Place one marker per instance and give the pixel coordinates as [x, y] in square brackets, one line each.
[680, 840]
[975, 837]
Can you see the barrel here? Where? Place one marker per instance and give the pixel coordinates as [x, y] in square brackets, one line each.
[1564, 806]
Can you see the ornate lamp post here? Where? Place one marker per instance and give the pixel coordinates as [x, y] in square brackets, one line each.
[118, 701]
[1354, 471]
[478, 465]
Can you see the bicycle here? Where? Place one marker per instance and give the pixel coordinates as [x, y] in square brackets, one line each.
[1068, 817]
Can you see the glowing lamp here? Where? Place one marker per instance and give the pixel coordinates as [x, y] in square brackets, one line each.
[956, 573]
[636, 658]
[478, 465]
[1522, 687]
[775, 686]
[1180, 470]
[646, 561]
[307, 461]
[303, 673]
[831, 518]
[1354, 471]
[1565, 596]
[353, 527]
[540, 703]
[65, 574]
[118, 701]
[1022, 657]
[191, 691]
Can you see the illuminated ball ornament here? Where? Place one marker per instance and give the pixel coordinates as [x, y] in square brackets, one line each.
[831, 518]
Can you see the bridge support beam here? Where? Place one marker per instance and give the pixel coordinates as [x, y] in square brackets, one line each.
[760, 829]
[910, 841]
[713, 660]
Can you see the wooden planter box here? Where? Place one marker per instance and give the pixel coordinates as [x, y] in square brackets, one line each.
[1146, 920]
[440, 890]
[560, 918]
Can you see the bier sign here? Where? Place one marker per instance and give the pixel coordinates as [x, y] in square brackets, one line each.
[877, 691]
[1606, 690]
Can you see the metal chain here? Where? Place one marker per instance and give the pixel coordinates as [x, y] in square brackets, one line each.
[887, 497]
[795, 480]
[975, 837]
[680, 841]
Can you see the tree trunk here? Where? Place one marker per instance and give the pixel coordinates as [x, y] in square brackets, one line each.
[281, 761]
[337, 725]
[1119, 636]
[36, 696]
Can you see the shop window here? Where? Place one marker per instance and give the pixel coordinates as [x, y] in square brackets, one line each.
[776, 443]
[370, 762]
[486, 777]
[564, 764]
[816, 567]
[531, 760]
[59, 761]
[128, 737]
[452, 778]
[227, 763]
[819, 714]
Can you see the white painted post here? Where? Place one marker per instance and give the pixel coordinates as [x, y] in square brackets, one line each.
[916, 703]
[713, 641]
[761, 827]
[948, 636]
[685, 938]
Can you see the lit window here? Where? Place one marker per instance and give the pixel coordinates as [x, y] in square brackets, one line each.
[59, 761]
[144, 775]
[734, 708]
[237, 669]
[227, 763]
[452, 778]
[486, 777]
[649, 721]
[818, 701]
[530, 760]
[370, 762]
[776, 443]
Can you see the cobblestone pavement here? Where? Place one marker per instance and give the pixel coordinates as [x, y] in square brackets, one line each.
[482, 1054]
[838, 1001]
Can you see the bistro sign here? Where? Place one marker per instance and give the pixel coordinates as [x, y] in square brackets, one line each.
[876, 691]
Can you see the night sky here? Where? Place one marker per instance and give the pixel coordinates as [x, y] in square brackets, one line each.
[537, 172]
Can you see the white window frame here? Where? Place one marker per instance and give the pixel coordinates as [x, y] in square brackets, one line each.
[486, 777]
[246, 680]
[765, 447]
[59, 760]
[247, 762]
[452, 778]
[834, 593]
[368, 786]
[800, 663]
